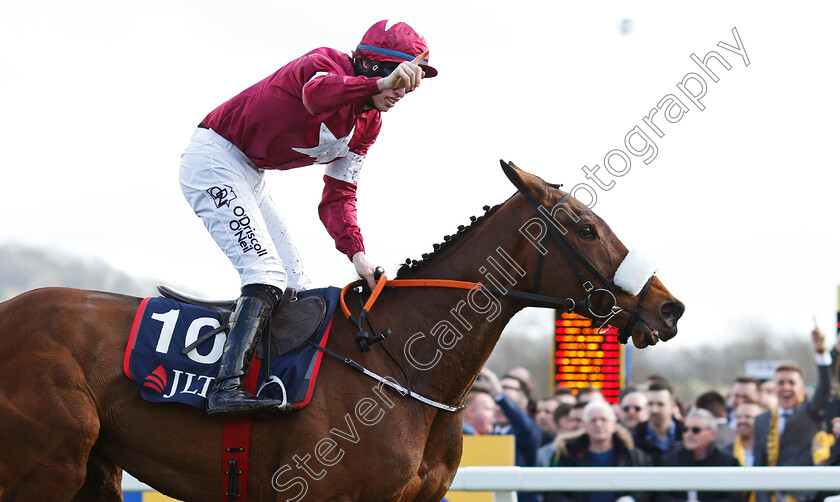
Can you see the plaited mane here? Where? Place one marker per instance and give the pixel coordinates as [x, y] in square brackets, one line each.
[410, 266]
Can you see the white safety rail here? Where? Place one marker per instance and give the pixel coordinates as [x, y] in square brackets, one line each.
[505, 481]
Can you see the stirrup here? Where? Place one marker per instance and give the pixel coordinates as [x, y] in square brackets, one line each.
[276, 381]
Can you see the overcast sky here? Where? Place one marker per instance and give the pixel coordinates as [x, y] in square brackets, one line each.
[739, 204]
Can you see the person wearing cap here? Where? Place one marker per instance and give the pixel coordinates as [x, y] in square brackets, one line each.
[322, 108]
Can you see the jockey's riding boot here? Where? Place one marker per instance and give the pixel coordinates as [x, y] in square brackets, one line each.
[228, 398]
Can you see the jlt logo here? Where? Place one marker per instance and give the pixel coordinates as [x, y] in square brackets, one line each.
[188, 388]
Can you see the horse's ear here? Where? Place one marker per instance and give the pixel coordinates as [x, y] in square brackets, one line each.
[527, 183]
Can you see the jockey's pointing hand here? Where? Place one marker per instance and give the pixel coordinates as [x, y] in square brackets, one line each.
[364, 268]
[408, 74]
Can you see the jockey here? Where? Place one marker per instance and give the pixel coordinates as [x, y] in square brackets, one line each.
[322, 108]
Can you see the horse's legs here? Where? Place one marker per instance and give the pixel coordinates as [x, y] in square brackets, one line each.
[103, 482]
[49, 428]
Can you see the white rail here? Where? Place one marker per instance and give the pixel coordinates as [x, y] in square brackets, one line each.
[504, 481]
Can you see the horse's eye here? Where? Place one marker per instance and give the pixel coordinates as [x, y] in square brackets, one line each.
[587, 232]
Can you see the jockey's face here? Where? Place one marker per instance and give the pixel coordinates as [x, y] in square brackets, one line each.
[388, 98]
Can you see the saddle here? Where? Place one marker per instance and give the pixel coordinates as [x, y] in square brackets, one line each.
[296, 321]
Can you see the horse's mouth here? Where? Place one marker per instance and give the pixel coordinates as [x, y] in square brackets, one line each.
[645, 336]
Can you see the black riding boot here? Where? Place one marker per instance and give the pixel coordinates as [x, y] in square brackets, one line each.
[228, 398]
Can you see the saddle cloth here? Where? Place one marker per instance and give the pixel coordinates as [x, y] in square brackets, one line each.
[164, 327]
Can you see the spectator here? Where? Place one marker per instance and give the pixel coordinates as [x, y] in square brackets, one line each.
[656, 379]
[589, 393]
[601, 443]
[634, 409]
[783, 435]
[563, 418]
[512, 403]
[516, 390]
[564, 394]
[743, 446]
[744, 389]
[767, 395]
[661, 431]
[480, 413]
[545, 418]
[520, 379]
[576, 416]
[715, 404]
[628, 390]
[524, 377]
[698, 450]
[834, 458]
[833, 408]
[564, 426]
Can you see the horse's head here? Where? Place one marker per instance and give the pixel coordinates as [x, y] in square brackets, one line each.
[577, 256]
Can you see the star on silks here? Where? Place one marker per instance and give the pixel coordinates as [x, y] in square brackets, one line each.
[329, 147]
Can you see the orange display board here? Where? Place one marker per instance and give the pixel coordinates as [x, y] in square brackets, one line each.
[584, 357]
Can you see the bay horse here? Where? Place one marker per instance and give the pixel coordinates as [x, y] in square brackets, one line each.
[72, 421]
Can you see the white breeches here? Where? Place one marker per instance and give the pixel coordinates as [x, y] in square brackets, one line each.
[229, 194]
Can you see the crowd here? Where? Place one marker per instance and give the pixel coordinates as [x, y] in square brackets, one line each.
[756, 423]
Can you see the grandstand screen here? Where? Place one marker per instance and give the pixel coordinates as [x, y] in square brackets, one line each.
[583, 357]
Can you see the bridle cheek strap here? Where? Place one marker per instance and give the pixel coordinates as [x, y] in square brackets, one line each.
[624, 333]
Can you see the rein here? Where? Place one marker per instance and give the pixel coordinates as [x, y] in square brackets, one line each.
[366, 341]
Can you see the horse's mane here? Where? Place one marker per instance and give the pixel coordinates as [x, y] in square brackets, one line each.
[410, 266]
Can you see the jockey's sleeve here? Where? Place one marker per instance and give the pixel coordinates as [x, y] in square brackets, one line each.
[327, 89]
[338, 210]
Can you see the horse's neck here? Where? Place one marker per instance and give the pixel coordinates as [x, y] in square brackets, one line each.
[456, 330]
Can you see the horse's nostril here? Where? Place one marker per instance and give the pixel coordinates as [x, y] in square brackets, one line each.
[672, 311]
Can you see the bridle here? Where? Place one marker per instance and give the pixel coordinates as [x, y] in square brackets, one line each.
[576, 259]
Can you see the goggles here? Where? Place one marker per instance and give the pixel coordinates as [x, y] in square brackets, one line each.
[376, 68]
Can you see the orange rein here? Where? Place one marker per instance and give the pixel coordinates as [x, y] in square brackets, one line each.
[402, 283]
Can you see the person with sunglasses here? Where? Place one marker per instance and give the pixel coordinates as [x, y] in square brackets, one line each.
[698, 449]
[322, 108]
[634, 409]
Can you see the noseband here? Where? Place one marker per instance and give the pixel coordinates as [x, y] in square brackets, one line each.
[577, 261]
